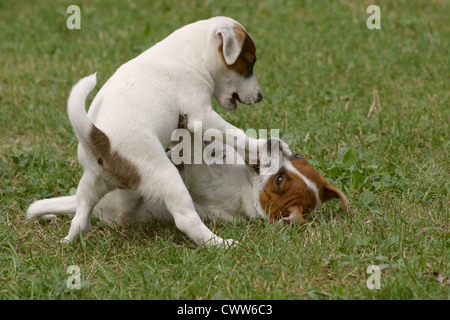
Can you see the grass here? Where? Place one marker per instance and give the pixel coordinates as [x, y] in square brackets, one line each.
[368, 108]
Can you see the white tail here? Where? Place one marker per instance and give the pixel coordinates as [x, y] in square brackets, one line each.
[77, 110]
[48, 208]
[51, 207]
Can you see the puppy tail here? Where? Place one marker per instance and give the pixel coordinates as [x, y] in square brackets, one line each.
[76, 108]
[48, 208]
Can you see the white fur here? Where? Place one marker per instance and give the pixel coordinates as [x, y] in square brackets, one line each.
[138, 108]
[76, 107]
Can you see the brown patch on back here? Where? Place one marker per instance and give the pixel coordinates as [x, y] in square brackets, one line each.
[247, 59]
[112, 162]
[293, 196]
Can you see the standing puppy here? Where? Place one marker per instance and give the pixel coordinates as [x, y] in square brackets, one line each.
[124, 135]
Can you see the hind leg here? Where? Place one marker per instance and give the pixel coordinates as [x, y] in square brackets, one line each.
[161, 180]
[90, 190]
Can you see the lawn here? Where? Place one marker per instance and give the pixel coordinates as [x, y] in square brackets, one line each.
[368, 108]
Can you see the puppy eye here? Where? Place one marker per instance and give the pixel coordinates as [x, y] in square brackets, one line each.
[279, 178]
[298, 156]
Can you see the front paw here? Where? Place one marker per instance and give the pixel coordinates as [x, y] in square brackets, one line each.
[229, 243]
[222, 243]
[254, 152]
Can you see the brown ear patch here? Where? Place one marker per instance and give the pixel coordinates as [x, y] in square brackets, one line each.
[241, 34]
[247, 58]
[112, 162]
[330, 191]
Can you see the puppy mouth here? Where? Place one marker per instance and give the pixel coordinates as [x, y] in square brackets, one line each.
[234, 98]
[250, 101]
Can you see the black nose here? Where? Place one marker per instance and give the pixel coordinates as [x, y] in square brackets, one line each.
[260, 97]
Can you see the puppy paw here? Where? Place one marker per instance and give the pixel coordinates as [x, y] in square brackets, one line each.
[254, 151]
[46, 217]
[64, 241]
[67, 240]
[222, 243]
[230, 243]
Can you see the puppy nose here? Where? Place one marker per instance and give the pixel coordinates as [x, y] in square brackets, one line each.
[260, 97]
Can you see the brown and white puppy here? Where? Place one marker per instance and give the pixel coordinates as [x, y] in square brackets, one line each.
[124, 135]
[222, 192]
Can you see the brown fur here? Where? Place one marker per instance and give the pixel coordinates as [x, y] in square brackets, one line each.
[247, 59]
[112, 162]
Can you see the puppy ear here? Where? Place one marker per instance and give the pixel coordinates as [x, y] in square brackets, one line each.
[232, 42]
[330, 192]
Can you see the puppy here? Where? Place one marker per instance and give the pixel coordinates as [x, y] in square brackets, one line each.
[124, 135]
[222, 191]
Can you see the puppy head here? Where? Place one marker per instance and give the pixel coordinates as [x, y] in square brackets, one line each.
[296, 189]
[235, 56]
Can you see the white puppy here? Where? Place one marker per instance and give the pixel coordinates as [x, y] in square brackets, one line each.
[124, 136]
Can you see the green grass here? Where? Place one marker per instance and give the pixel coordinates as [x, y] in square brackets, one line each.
[368, 108]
